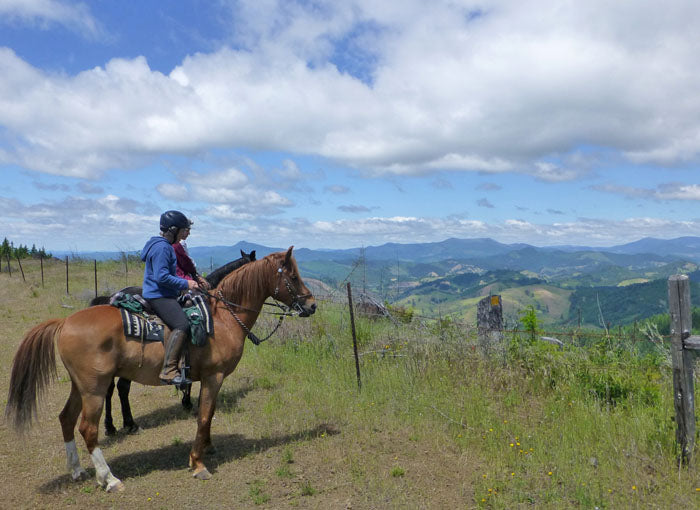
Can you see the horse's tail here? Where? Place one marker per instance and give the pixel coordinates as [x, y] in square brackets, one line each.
[33, 368]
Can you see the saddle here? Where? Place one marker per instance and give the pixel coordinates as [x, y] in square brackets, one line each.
[140, 320]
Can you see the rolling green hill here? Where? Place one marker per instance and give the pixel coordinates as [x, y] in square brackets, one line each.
[626, 304]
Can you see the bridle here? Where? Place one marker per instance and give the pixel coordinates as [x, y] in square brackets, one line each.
[296, 297]
[286, 310]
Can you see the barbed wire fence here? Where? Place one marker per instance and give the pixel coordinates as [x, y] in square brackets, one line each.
[86, 278]
[442, 331]
[81, 278]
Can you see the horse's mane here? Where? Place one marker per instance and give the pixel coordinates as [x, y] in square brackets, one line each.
[249, 281]
[215, 277]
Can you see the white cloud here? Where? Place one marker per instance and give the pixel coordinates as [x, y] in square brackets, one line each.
[498, 87]
[80, 223]
[74, 15]
[666, 191]
[553, 173]
[679, 192]
[172, 191]
[355, 209]
[111, 222]
[337, 189]
[226, 212]
[229, 192]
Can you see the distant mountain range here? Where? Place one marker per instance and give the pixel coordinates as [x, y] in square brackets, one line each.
[486, 251]
[624, 282]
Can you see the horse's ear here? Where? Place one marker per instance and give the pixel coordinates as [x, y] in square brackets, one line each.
[243, 254]
[252, 255]
[288, 256]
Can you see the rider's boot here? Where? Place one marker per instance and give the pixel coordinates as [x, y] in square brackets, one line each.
[171, 373]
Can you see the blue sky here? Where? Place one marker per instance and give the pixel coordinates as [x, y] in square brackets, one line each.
[335, 124]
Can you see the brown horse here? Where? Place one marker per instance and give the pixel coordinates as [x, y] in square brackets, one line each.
[93, 349]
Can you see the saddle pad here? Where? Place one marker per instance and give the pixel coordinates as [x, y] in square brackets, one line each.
[151, 328]
[137, 326]
[201, 321]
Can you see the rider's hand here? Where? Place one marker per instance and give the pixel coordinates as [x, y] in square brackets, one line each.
[191, 285]
[204, 284]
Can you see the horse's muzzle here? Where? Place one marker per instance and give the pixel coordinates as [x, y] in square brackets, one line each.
[307, 309]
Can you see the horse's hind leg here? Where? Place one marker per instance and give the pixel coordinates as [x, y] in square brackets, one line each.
[110, 429]
[68, 419]
[123, 387]
[89, 426]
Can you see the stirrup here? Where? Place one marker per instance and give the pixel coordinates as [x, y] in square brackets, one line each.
[179, 381]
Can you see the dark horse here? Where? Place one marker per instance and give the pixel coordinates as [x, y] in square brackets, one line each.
[93, 349]
[124, 385]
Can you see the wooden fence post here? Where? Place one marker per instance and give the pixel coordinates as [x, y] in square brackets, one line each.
[21, 270]
[489, 316]
[41, 260]
[682, 359]
[95, 277]
[67, 293]
[9, 268]
[354, 339]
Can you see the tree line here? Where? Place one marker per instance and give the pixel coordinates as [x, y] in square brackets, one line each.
[8, 249]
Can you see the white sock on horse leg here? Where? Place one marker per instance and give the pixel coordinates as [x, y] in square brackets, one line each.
[103, 474]
[73, 461]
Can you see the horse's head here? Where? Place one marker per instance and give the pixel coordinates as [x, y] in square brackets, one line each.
[289, 287]
[248, 257]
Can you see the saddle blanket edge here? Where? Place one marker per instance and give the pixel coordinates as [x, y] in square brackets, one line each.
[152, 328]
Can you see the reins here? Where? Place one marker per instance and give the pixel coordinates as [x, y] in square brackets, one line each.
[257, 341]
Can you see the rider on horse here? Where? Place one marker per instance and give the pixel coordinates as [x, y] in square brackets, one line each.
[162, 286]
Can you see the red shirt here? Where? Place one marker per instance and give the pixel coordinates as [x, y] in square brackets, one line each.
[185, 266]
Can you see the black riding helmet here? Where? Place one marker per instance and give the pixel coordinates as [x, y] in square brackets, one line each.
[173, 220]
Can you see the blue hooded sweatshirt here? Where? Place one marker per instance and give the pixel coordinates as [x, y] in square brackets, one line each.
[159, 278]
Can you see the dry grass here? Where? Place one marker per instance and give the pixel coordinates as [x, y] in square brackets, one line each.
[432, 428]
[265, 456]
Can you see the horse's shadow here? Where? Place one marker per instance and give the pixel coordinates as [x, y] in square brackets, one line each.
[226, 401]
[174, 457]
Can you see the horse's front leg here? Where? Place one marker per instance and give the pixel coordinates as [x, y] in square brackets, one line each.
[89, 426]
[186, 400]
[207, 405]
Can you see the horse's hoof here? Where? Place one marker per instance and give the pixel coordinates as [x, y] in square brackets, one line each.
[117, 486]
[79, 475]
[204, 474]
[133, 429]
[110, 430]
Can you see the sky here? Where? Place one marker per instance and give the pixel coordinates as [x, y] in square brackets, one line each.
[339, 124]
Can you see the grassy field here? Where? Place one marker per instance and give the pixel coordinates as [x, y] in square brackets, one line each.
[436, 424]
